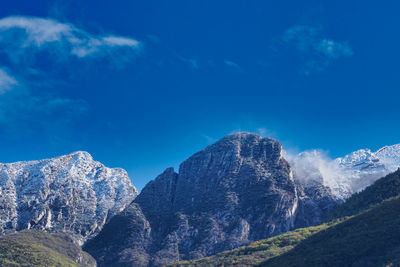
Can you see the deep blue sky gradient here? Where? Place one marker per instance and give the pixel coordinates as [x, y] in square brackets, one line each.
[206, 69]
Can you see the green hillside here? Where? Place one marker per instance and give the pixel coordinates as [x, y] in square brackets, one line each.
[384, 188]
[369, 239]
[35, 248]
[258, 251]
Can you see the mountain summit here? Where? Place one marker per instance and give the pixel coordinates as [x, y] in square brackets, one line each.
[72, 194]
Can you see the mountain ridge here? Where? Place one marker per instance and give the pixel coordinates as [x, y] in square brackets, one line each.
[241, 189]
[70, 193]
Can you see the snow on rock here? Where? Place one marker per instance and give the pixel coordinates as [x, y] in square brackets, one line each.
[363, 167]
[347, 175]
[72, 193]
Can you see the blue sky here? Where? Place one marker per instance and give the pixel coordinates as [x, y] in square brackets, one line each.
[144, 84]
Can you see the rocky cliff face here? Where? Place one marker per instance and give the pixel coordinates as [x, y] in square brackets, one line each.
[72, 194]
[235, 191]
[317, 185]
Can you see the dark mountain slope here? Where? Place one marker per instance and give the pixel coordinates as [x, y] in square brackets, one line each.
[123, 241]
[369, 239]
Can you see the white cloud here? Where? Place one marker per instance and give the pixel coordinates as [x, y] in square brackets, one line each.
[38, 31]
[315, 166]
[333, 49]
[32, 103]
[120, 41]
[44, 32]
[317, 51]
[6, 81]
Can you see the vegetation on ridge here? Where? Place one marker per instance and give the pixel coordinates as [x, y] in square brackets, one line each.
[256, 252]
[368, 239]
[35, 248]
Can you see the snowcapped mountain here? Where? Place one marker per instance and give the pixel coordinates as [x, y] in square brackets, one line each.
[363, 167]
[387, 158]
[346, 175]
[71, 193]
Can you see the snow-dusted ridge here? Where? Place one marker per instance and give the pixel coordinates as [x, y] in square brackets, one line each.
[346, 175]
[71, 193]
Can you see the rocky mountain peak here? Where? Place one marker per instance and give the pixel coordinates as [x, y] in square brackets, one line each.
[245, 144]
[363, 167]
[71, 193]
[238, 190]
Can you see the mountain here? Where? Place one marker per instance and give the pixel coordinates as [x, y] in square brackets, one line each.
[73, 194]
[36, 248]
[363, 167]
[236, 191]
[242, 189]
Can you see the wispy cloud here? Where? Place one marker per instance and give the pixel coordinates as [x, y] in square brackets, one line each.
[6, 81]
[232, 64]
[31, 103]
[317, 51]
[46, 33]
